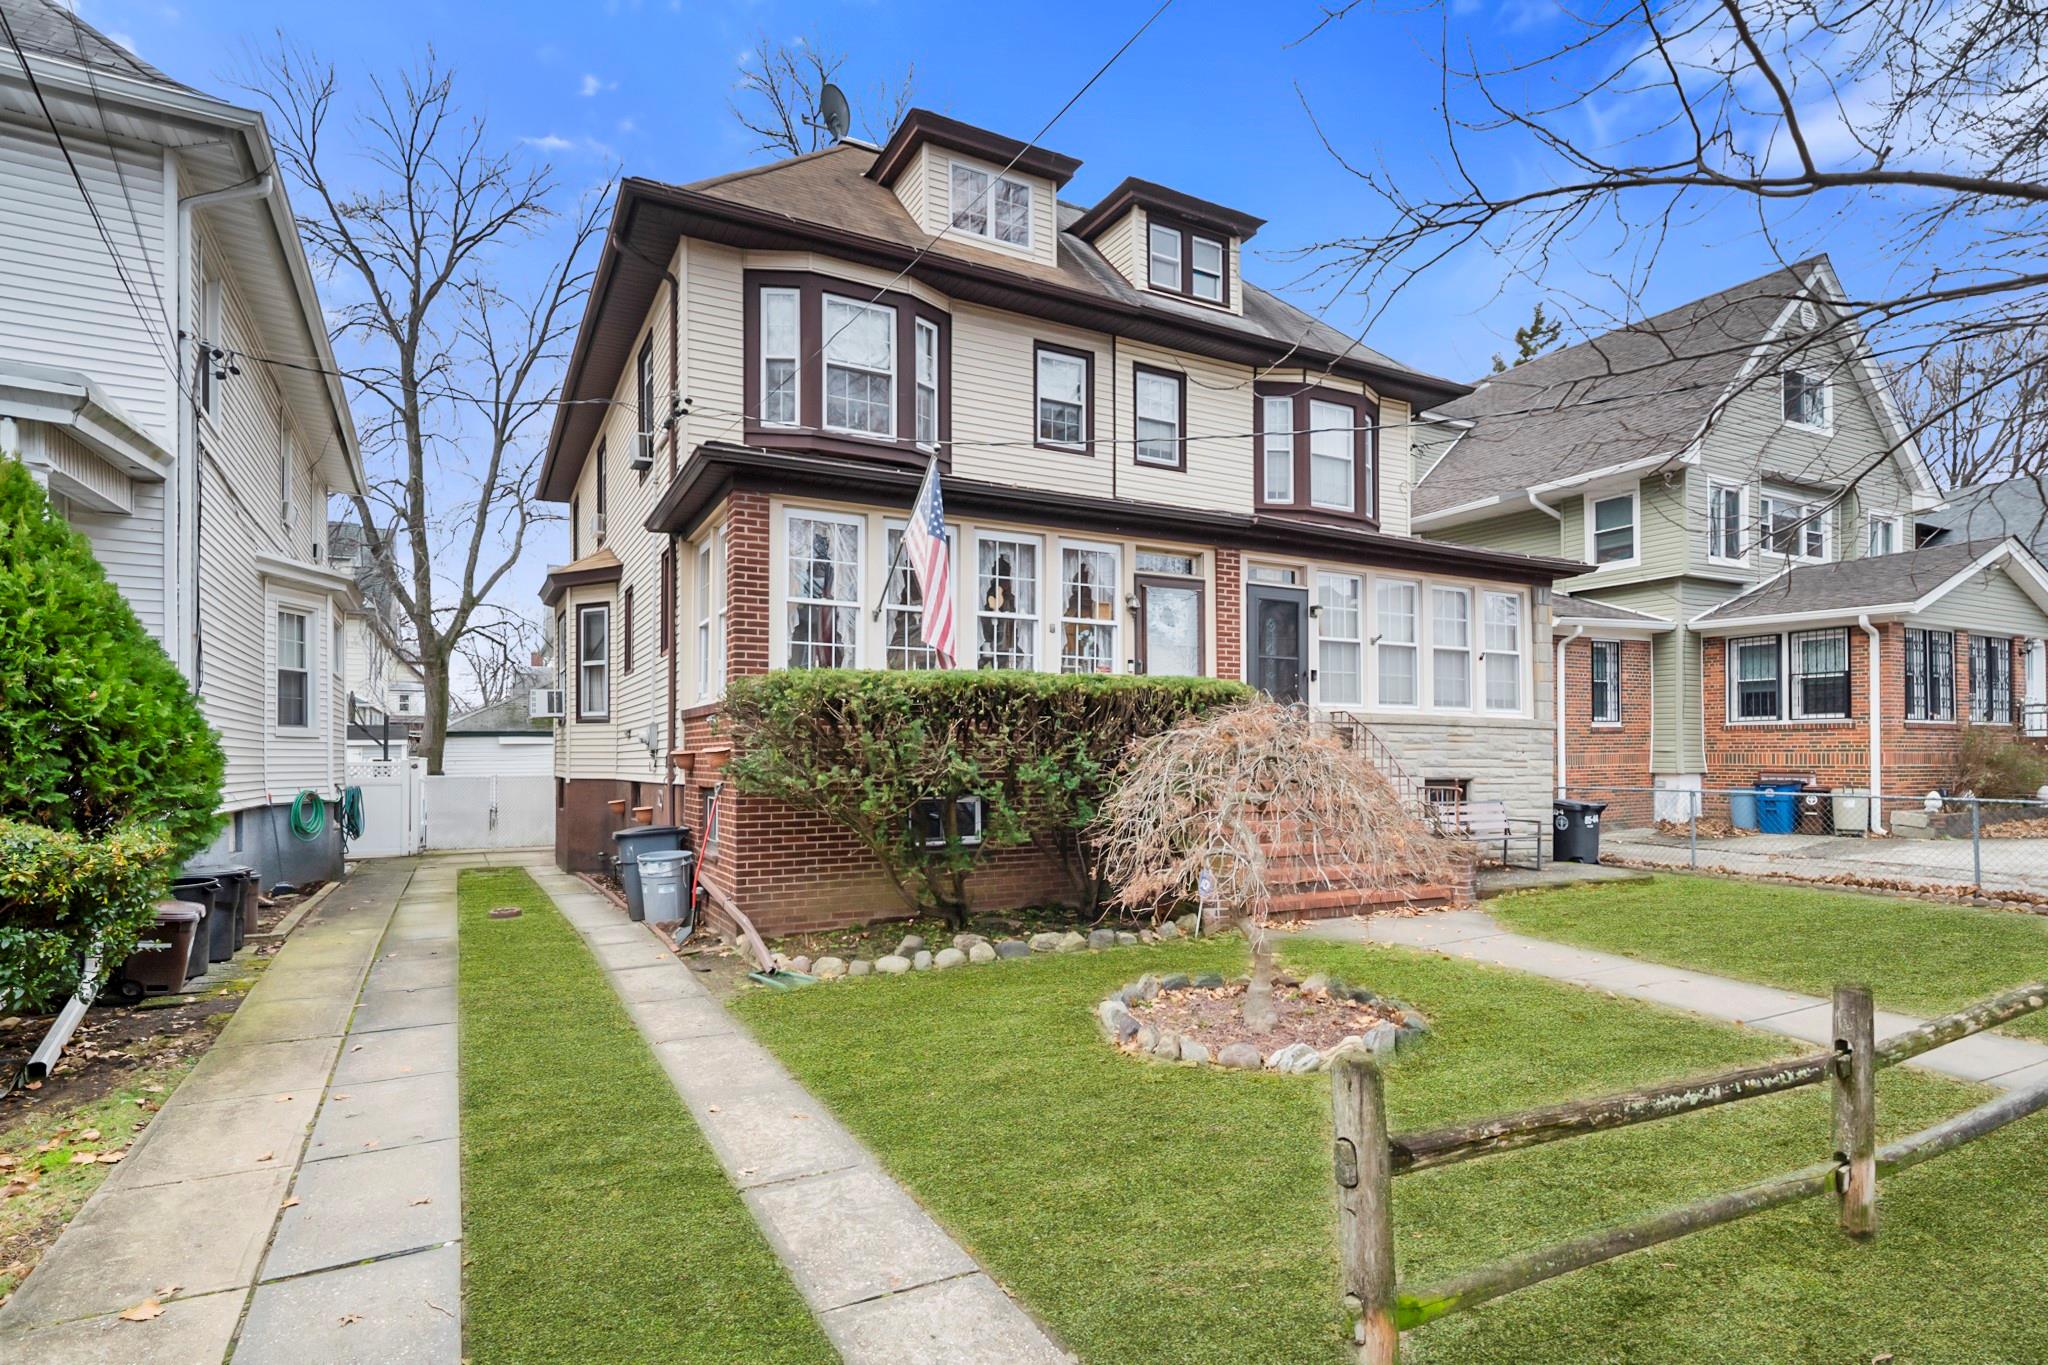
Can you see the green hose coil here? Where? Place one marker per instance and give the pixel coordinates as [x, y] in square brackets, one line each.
[352, 812]
[309, 816]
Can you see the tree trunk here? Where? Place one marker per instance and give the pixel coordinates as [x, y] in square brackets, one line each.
[434, 736]
[1259, 1013]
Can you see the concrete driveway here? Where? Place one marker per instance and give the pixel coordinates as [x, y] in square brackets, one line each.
[1935, 864]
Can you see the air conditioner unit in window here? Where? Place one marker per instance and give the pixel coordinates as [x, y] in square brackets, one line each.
[546, 703]
[600, 528]
[643, 459]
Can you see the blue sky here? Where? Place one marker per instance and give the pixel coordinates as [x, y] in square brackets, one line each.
[1206, 101]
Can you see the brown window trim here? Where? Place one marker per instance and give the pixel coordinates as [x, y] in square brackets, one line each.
[1366, 464]
[667, 629]
[595, 718]
[1087, 358]
[626, 629]
[1141, 583]
[575, 529]
[1180, 443]
[643, 407]
[1188, 232]
[810, 432]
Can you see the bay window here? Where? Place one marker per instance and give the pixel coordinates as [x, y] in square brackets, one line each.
[1315, 451]
[1753, 682]
[1930, 675]
[1450, 653]
[1089, 579]
[822, 590]
[1160, 397]
[860, 366]
[779, 343]
[1332, 456]
[593, 662]
[1065, 393]
[1725, 537]
[1820, 674]
[1340, 647]
[1006, 602]
[1501, 651]
[1990, 680]
[927, 334]
[1603, 683]
[1394, 606]
[839, 357]
[1276, 450]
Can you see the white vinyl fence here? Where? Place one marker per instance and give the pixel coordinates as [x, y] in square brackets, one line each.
[466, 812]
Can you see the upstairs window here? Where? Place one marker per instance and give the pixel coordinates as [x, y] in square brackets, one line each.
[1332, 456]
[1276, 450]
[1793, 527]
[1158, 413]
[643, 390]
[927, 334]
[779, 342]
[1183, 260]
[1063, 391]
[1930, 675]
[294, 671]
[1315, 451]
[1205, 268]
[1884, 536]
[992, 206]
[1990, 680]
[593, 663]
[1808, 400]
[1604, 682]
[860, 367]
[1614, 530]
[1725, 539]
[1163, 257]
[826, 355]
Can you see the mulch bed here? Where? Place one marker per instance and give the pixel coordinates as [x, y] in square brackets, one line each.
[1214, 1017]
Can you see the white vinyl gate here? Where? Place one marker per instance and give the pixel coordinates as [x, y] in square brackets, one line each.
[392, 806]
[516, 811]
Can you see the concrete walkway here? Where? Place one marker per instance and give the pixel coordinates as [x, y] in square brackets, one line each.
[2018, 865]
[886, 1282]
[1990, 1058]
[298, 1197]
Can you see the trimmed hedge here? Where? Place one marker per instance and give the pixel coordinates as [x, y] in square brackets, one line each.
[862, 747]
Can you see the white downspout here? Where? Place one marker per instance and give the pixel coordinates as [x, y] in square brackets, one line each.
[1576, 633]
[1876, 730]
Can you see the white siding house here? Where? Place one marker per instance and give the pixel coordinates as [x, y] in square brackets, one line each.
[145, 299]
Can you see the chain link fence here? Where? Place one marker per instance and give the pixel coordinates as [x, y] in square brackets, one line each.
[1986, 848]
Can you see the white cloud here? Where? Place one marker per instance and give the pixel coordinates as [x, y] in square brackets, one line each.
[629, 125]
[550, 142]
[595, 85]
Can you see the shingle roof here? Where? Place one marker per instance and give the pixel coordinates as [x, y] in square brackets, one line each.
[47, 29]
[499, 716]
[1566, 607]
[1853, 584]
[1641, 391]
[2016, 508]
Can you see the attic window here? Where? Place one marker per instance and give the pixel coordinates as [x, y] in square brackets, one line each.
[989, 205]
[1807, 400]
[1180, 260]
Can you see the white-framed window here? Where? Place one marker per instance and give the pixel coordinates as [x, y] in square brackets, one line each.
[593, 662]
[986, 204]
[1162, 253]
[1062, 399]
[1809, 400]
[1159, 417]
[1990, 680]
[287, 477]
[1169, 563]
[1006, 601]
[710, 600]
[1090, 576]
[1754, 669]
[780, 339]
[1205, 257]
[1817, 669]
[643, 401]
[1611, 529]
[1727, 518]
[903, 643]
[1340, 638]
[1603, 681]
[927, 334]
[1450, 648]
[860, 366]
[1284, 575]
[212, 314]
[1930, 675]
[1397, 641]
[1794, 528]
[1332, 456]
[821, 620]
[1884, 536]
[1276, 448]
[1500, 647]
[294, 669]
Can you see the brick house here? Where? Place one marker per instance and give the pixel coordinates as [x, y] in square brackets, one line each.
[1606, 703]
[1150, 465]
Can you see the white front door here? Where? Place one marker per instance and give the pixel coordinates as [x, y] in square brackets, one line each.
[2034, 715]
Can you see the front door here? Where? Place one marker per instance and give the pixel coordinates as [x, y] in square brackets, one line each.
[1277, 619]
[2034, 705]
[1169, 627]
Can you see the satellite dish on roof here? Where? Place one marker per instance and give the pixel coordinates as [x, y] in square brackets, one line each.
[833, 111]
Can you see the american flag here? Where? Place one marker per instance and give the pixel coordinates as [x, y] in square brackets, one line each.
[931, 559]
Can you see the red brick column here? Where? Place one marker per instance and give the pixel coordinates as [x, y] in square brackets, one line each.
[1230, 615]
[749, 584]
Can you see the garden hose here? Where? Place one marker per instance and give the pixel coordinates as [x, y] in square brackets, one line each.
[309, 815]
[352, 812]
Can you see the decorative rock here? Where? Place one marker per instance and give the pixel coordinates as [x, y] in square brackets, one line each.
[1190, 924]
[1045, 943]
[1102, 938]
[1167, 1046]
[1208, 981]
[1147, 936]
[1120, 1023]
[1192, 1051]
[1239, 1057]
[1380, 1039]
[781, 962]
[1013, 947]
[947, 957]
[860, 966]
[923, 961]
[1071, 942]
[800, 963]
[911, 943]
[829, 968]
[1318, 984]
[1360, 994]
[1125, 939]
[1145, 987]
[965, 942]
[983, 952]
[895, 964]
[1168, 931]
[1174, 981]
[1296, 1059]
[1146, 1038]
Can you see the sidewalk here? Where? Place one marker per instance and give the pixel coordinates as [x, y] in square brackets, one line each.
[1989, 1058]
[886, 1282]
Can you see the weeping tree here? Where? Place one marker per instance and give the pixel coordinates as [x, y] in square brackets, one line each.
[1254, 797]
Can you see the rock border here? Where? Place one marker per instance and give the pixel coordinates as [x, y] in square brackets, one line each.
[913, 954]
[1124, 1031]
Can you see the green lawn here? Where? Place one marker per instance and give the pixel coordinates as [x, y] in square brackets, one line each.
[1155, 1213]
[1917, 957]
[596, 1224]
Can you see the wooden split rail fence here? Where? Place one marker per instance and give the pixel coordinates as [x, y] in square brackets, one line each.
[1368, 1159]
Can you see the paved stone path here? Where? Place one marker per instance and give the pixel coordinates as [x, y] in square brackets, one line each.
[2009, 1063]
[884, 1279]
[301, 1187]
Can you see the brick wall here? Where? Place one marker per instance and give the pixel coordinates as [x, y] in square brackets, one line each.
[1609, 756]
[1230, 615]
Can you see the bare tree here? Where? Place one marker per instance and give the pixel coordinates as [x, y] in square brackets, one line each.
[780, 85]
[498, 657]
[1982, 404]
[414, 211]
[1253, 798]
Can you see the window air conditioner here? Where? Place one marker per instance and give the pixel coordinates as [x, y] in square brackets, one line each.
[545, 703]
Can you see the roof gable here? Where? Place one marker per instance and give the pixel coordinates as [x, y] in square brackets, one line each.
[1908, 583]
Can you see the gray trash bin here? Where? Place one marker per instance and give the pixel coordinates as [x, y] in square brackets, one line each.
[634, 842]
[664, 882]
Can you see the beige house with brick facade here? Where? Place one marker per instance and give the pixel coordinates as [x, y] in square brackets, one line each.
[1149, 465]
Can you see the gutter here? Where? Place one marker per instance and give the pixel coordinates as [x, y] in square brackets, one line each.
[1876, 728]
[1560, 706]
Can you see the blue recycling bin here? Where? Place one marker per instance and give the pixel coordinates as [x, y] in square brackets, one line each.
[1777, 806]
[1742, 810]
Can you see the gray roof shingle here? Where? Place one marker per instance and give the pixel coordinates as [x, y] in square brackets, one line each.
[1565, 607]
[2016, 508]
[46, 29]
[1853, 584]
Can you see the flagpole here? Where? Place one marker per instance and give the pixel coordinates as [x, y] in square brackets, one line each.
[894, 560]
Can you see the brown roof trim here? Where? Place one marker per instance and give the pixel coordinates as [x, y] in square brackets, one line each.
[650, 216]
[1146, 194]
[920, 126]
[716, 467]
[561, 580]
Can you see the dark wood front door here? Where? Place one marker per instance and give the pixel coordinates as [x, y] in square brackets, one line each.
[1277, 619]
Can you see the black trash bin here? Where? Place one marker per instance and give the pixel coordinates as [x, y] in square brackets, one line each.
[633, 841]
[1575, 831]
[1816, 811]
[236, 898]
[200, 892]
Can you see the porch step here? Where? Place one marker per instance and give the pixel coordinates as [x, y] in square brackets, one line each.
[1337, 901]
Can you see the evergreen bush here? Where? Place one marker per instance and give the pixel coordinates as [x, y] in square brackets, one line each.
[864, 747]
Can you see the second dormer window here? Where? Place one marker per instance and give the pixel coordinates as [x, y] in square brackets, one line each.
[1182, 260]
[992, 206]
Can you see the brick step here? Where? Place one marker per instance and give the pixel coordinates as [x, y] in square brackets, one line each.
[1335, 902]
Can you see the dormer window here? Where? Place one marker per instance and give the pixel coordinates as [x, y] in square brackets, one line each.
[1181, 260]
[986, 204]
